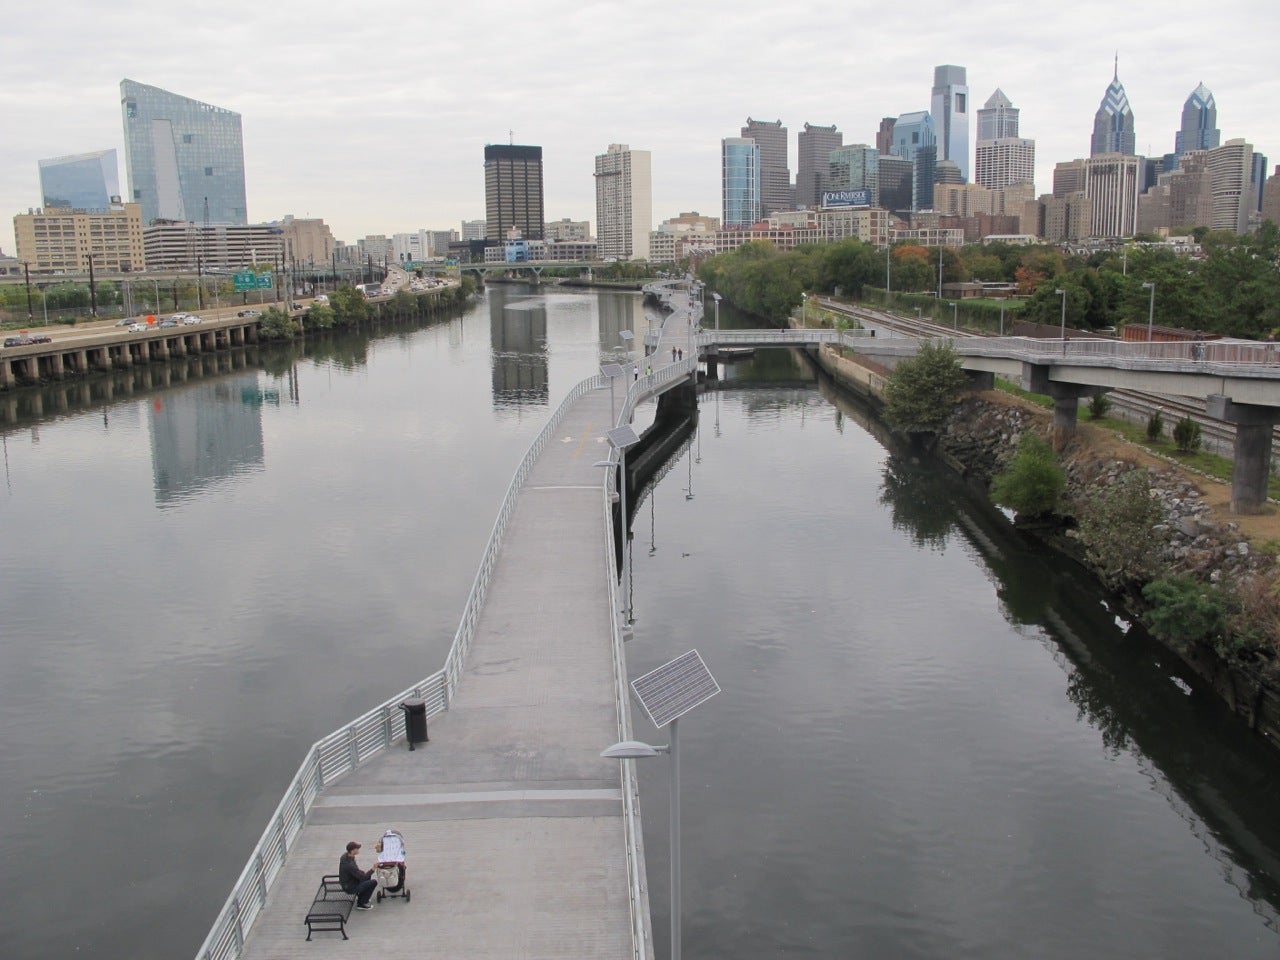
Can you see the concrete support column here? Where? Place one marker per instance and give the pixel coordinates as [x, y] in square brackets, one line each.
[1252, 461]
[162, 349]
[7, 379]
[82, 361]
[56, 366]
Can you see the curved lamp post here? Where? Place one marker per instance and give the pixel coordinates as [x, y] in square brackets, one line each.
[1151, 308]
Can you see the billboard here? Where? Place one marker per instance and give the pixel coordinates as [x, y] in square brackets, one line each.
[844, 199]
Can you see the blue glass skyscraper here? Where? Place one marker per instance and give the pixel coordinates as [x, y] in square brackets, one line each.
[182, 154]
[85, 181]
[1113, 123]
[740, 181]
[1199, 123]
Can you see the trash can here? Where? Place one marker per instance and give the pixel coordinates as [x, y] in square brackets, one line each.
[415, 721]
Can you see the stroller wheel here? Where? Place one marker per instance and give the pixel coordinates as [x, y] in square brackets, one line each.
[380, 896]
[406, 894]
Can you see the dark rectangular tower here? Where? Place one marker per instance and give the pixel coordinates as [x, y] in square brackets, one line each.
[513, 191]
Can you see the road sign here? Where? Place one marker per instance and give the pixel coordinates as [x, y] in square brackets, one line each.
[248, 280]
[266, 281]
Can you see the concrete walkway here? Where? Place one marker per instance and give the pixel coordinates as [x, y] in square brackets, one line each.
[512, 822]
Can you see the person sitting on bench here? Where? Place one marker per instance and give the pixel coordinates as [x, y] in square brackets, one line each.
[354, 880]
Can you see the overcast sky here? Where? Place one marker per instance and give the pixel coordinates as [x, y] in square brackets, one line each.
[377, 121]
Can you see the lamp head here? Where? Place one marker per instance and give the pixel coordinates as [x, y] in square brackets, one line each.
[1060, 293]
[632, 750]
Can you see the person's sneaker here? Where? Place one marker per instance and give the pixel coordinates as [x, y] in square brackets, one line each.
[364, 906]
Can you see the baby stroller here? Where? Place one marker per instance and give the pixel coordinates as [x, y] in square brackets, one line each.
[390, 865]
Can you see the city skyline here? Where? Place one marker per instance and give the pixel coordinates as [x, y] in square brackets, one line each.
[390, 141]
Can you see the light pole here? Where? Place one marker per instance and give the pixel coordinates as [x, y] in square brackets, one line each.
[26, 275]
[1151, 308]
[666, 694]
[155, 307]
[1062, 331]
[887, 289]
[715, 297]
[612, 371]
[955, 315]
[804, 310]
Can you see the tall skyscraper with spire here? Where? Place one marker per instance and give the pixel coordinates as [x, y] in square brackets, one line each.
[1113, 123]
[950, 110]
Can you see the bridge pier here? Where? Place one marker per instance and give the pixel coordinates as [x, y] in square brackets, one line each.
[1252, 462]
[1066, 400]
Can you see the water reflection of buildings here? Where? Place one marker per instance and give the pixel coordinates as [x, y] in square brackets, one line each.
[203, 433]
[518, 337]
[617, 314]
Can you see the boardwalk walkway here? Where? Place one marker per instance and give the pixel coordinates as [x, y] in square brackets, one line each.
[512, 821]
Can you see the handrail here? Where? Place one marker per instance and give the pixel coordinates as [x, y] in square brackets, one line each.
[369, 734]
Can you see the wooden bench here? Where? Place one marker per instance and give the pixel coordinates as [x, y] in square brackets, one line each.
[331, 907]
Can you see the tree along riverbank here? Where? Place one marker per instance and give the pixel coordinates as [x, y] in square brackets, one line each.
[1226, 629]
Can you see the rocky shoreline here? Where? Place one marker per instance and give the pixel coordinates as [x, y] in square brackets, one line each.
[982, 436]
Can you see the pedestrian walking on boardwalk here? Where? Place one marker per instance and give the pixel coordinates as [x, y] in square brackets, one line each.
[635, 371]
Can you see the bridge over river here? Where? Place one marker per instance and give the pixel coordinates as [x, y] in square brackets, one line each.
[521, 840]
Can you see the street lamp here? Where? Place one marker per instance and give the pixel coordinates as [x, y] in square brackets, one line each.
[612, 371]
[804, 310]
[955, 315]
[666, 694]
[716, 299]
[1063, 328]
[887, 289]
[1151, 308]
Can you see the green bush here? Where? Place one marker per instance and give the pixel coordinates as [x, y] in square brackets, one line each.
[1186, 435]
[1033, 481]
[1155, 425]
[922, 391]
[276, 325]
[1099, 405]
[1183, 610]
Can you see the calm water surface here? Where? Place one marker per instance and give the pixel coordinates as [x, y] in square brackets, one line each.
[931, 742]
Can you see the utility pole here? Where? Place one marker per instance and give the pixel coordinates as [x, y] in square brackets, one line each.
[200, 273]
[93, 288]
[26, 274]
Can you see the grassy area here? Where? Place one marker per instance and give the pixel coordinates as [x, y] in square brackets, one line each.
[1008, 386]
[1207, 463]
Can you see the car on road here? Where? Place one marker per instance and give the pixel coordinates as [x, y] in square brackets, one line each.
[179, 317]
[248, 313]
[16, 341]
[39, 338]
[169, 323]
[192, 321]
[322, 298]
[137, 327]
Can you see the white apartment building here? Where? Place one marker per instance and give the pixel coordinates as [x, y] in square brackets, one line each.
[624, 202]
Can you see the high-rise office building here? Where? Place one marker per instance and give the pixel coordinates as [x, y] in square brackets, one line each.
[1199, 123]
[1231, 179]
[813, 175]
[1112, 186]
[473, 230]
[739, 182]
[624, 202]
[998, 118]
[1069, 177]
[775, 175]
[185, 158]
[1113, 123]
[923, 176]
[884, 136]
[999, 163]
[950, 109]
[85, 181]
[895, 176]
[911, 131]
[1259, 179]
[1271, 198]
[856, 167]
[512, 191]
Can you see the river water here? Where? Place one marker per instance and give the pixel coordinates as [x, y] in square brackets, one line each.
[931, 740]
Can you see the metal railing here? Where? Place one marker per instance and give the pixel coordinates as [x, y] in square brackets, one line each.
[371, 733]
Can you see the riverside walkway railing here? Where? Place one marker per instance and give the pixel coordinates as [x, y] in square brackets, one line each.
[374, 732]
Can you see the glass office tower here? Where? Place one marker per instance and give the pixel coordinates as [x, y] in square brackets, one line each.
[85, 181]
[740, 181]
[182, 154]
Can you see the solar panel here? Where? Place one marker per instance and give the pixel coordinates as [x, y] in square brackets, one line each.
[612, 369]
[623, 436]
[675, 688]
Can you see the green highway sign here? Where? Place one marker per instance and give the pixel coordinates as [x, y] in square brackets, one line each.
[248, 280]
